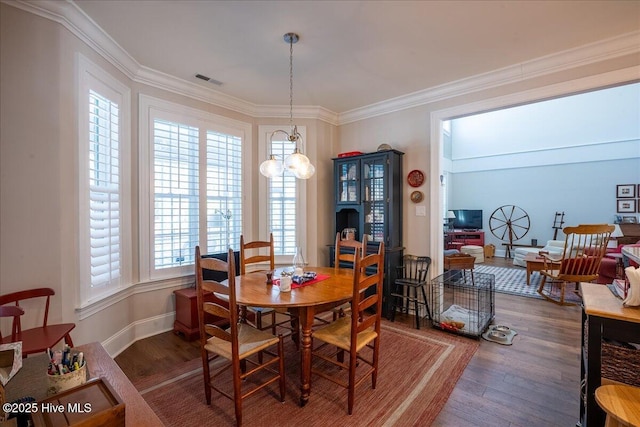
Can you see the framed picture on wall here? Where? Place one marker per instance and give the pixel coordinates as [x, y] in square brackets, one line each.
[626, 191]
[626, 206]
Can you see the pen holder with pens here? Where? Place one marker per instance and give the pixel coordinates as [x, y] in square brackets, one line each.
[66, 372]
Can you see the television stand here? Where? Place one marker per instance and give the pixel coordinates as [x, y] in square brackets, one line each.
[456, 239]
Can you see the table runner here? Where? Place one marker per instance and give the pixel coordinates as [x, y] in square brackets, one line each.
[294, 285]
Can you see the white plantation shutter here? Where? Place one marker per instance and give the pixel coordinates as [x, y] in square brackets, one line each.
[191, 177]
[104, 191]
[175, 193]
[224, 191]
[282, 203]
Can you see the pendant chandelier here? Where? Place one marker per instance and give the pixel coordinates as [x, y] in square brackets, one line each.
[296, 163]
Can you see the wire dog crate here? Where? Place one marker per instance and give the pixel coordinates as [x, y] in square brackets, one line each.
[463, 301]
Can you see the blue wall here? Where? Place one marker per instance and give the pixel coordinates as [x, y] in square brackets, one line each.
[567, 154]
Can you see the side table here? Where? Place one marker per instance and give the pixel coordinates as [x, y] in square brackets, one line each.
[604, 316]
[186, 322]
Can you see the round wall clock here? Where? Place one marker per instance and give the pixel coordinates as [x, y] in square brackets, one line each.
[415, 178]
[417, 196]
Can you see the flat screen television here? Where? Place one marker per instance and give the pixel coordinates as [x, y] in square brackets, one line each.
[467, 219]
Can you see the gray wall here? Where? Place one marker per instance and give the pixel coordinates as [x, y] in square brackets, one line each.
[585, 192]
[561, 155]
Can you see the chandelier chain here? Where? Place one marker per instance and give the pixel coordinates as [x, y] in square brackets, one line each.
[291, 83]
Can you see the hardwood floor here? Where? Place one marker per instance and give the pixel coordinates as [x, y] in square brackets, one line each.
[534, 382]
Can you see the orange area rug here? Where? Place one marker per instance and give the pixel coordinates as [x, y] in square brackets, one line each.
[418, 370]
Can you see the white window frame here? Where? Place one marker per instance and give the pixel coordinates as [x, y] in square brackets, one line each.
[149, 109]
[92, 77]
[264, 150]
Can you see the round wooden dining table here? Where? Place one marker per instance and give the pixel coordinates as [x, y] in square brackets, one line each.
[304, 302]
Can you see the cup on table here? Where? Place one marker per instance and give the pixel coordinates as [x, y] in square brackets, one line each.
[285, 284]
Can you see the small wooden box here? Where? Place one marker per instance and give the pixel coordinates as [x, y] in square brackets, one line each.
[489, 250]
[94, 403]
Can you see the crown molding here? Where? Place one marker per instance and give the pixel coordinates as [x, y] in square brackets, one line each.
[622, 45]
[299, 112]
[82, 26]
[151, 77]
[68, 14]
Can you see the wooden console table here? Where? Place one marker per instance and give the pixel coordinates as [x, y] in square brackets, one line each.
[458, 238]
[604, 317]
[31, 380]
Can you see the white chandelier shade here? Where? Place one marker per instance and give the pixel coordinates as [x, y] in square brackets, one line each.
[296, 163]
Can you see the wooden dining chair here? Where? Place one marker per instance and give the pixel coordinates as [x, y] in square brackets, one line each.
[240, 344]
[357, 334]
[38, 339]
[344, 254]
[584, 247]
[345, 257]
[410, 284]
[250, 254]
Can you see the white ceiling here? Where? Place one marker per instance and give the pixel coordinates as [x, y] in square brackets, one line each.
[351, 54]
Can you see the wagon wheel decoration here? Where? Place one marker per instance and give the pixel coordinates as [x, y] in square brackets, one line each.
[509, 223]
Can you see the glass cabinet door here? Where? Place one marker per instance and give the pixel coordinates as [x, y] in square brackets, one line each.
[347, 181]
[375, 197]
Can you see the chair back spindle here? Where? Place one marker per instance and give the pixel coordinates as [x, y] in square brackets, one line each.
[584, 247]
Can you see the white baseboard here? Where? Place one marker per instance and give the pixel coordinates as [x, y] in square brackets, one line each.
[120, 341]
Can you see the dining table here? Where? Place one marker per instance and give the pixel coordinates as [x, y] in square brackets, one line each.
[333, 286]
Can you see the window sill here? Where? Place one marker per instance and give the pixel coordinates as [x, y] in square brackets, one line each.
[101, 303]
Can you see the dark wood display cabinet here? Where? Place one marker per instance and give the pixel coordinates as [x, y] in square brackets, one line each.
[368, 197]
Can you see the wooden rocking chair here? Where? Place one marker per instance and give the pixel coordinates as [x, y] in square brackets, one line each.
[584, 247]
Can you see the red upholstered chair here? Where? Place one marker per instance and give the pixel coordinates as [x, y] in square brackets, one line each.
[609, 265]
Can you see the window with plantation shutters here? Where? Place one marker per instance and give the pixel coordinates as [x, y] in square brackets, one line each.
[175, 193]
[104, 170]
[282, 198]
[224, 191]
[104, 191]
[282, 204]
[191, 186]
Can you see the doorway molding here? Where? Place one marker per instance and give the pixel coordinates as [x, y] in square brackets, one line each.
[557, 90]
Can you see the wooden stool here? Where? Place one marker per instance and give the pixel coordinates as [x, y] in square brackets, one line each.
[621, 404]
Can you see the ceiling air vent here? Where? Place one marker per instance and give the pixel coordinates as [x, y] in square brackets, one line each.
[209, 79]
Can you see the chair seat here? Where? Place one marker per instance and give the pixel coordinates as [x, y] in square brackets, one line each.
[338, 333]
[37, 340]
[250, 341]
[410, 282]
[262, 310]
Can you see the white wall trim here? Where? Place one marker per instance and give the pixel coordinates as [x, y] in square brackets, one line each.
[581, 153]
[75, 20]
[123, 294]
[625, 44]
[138, 330]
[79, 24]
